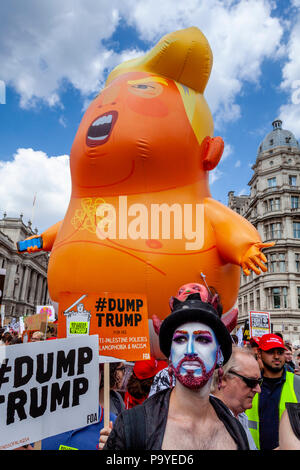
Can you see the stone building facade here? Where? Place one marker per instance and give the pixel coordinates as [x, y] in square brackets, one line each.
[25, 283]
[273, 207]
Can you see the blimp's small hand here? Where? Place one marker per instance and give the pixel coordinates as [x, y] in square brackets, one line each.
[31, 244]
[254, 259]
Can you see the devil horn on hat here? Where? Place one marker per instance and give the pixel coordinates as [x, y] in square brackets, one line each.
[156, 323]
[171, 301]
[230, 319]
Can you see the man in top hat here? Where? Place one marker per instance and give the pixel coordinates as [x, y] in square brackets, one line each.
[196, 342]
[279, 387]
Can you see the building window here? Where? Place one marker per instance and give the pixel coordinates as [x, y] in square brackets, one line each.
[282, 267]
[277, 263]
[274, 204]
[295, 328]
[251, 301]
[245, 304]
[272, 182]
[284, 297]
[298, 295]
[279, 297]
[294, 202]
[292, 180]
[276, 297]
[272, 263]
[275, 230]
[296, 229]
[258, 300]
[297, 262]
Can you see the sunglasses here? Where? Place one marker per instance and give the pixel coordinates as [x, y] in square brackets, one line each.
[251, 383]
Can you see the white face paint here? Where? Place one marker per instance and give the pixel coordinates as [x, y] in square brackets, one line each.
[194, 345]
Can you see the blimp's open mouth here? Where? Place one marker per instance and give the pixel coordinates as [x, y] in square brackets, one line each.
[100, 130]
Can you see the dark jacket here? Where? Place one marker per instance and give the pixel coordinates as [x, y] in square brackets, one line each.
[156, 413]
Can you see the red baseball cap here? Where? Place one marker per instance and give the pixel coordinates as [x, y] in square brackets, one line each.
[254, 340]
[270, 341]
[149, 368]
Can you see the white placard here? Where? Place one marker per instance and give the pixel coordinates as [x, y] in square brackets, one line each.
[22, 326]
[259, 323]
[46, 388]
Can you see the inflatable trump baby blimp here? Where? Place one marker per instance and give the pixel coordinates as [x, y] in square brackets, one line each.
[141, 217]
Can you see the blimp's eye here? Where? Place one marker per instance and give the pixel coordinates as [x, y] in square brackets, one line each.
[145, 90]
[142, 86]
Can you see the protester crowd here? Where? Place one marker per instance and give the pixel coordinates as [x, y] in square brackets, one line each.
[212, 393]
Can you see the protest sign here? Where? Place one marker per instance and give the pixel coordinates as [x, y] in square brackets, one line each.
[47, 388]
[120, 320]
[35, 322]
[239, 335]
[22, 326]
[48, 309]
[51, 330]
[259, 323]
[246, 332]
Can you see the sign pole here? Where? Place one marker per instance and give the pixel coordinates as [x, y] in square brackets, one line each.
[106, 394]
[38, 445]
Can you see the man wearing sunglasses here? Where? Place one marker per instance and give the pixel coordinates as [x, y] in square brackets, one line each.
[240, 383]
[279, 387]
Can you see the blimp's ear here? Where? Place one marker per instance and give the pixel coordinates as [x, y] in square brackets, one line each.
[211, 150]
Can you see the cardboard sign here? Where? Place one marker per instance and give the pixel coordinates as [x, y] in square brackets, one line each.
[34, 322]
[51, 330]
[47, 388]
[120, 320]
[259, 323]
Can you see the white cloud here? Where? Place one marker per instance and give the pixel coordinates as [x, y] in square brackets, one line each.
[228, 150]
[32, 172]
[44, 45]
[241, 34]
[62, 121]
[289, 112]
[237, 164]
[242, 192]
[215, 175]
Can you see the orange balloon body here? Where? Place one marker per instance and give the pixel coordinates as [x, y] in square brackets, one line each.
[139, 146]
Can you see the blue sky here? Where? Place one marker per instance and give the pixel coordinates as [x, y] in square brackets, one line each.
[55, 58]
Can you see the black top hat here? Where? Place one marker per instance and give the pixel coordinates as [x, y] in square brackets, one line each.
[190, 310]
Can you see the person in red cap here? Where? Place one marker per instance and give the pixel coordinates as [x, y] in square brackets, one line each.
[140, 382]
[254, 345]
[279, 387]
